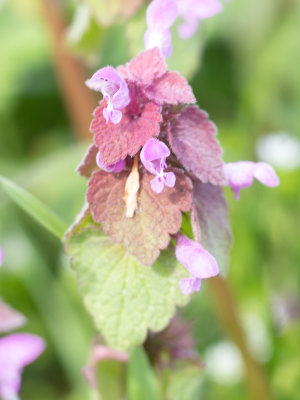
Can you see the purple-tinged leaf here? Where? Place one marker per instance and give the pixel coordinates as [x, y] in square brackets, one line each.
[115, 142]
[192, 138]
[170, 88]
[146, 67]
[88, 164]
[158, 215]
[211, 216]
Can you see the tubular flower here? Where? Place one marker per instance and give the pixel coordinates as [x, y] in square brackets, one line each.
[161, 15]
[153, 157]
[240, 175]
[115, 92]
[199, 263]
[117, 167]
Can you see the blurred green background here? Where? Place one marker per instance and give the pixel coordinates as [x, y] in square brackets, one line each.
[244, 68]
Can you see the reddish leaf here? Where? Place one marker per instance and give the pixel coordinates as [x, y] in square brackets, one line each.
[192, 138]
[211, 214]
[171, 88]
[115, 142]
[146, 67]
[88, 164]
[158, 215]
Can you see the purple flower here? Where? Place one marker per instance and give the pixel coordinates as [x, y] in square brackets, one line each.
[115, 92]
[16, 351]
[199, 263]
[241, 174]
[9, 318]
[117, 167]
[193, 11]
[161, 14]
[153, 157]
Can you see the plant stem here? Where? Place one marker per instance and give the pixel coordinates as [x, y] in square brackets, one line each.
[79, 101]
[225, 305]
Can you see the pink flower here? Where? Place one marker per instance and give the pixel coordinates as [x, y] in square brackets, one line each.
[115, 92]
[16, 351]
[9, 318]
[199, 263]
[117, 167]
[161, 14]
[240, 175]
[193, 11]
[153, 157]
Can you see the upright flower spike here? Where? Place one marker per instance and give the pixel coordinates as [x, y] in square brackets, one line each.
[115, 92]
[240, 175]
[153, 157]
[199, 263]
[16, 351]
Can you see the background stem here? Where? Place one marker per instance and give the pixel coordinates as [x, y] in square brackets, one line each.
[79, 100]
[225, 306]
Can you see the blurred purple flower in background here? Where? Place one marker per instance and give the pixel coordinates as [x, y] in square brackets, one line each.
[16, 351]
[240, 175]
[161, 15]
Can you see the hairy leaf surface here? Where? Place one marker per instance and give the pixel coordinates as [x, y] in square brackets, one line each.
[88, 164]
[211, 214]
[192, 138]
[125, 297]
[115, 142]
[158, 215]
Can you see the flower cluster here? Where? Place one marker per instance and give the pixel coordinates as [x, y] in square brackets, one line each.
[158, 154]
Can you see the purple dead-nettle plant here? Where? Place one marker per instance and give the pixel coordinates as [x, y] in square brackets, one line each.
[154, 158]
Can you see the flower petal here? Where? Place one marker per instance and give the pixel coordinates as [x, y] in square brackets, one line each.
[160, 38]
[157, 185]
[199, 262]
[264, 173]
[161, 14]
[189, 285]
[16, 351]
[9, 318]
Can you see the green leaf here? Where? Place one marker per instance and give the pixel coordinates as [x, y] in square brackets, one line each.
[141, 381]
[125, 297]
[184, 383]
[34, 207]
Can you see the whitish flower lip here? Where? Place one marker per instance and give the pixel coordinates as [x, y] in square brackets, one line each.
[153, 157]
[241, 174]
